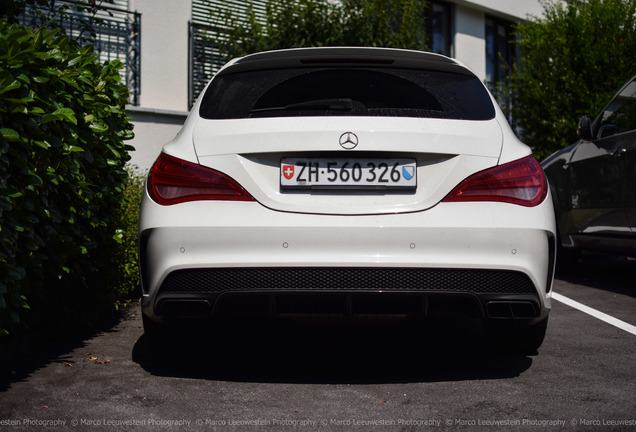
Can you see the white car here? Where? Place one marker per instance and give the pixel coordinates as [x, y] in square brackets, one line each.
[348, 181]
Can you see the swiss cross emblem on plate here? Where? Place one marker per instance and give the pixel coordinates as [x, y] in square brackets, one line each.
[288, 171]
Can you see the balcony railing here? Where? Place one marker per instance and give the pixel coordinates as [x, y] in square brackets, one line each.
[114, 33]
[205, 59]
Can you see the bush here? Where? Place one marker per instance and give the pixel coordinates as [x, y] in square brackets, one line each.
[126, 263]
[62, 176]
[573, 60]
[302, 23]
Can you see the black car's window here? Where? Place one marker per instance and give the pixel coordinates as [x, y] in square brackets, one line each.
[346, 92]
[620, 115]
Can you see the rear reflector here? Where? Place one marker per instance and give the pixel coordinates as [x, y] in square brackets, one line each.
[174, 181]
[519, 182]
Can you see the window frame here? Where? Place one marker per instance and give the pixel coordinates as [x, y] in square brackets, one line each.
[500, 49]
[444, 28]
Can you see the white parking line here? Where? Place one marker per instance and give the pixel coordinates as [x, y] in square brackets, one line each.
[596, 314]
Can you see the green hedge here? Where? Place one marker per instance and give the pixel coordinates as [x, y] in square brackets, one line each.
[62, 176]
[125, 259]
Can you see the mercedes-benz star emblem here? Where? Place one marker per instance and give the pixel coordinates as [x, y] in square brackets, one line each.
[348, 140]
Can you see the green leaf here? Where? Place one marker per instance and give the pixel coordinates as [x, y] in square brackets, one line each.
[42, 144]
[75, 61]
[41, 79]
[19, 109]
[14, 85]
[66, 113]
[9, 134]
[98, 127]
[49, 118]
[24, 77]
[86, 50]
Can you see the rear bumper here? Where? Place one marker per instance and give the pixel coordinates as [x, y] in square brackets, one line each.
[345, 303]
[209, 258]
[347, 292]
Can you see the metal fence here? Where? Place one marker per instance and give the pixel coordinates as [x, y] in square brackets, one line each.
[114, 33]
[204, 58]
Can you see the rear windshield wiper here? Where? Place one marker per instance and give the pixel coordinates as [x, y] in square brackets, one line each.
[342, 104]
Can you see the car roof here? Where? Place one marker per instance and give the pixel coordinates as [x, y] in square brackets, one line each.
[345, 56]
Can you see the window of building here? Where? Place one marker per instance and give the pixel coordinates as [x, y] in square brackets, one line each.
[117, 34]
[205, 59]
[440, 28]
[500, 51]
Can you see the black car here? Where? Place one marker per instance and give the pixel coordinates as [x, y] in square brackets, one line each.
[593, 181]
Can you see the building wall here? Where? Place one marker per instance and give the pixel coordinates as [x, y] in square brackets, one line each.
[469, 26]
[469, 46]
[164, 76]
[153, 129]
[513, 10]
[164, 51]
[164, 61]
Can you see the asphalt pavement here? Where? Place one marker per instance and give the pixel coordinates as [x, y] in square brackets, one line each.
[286, 375]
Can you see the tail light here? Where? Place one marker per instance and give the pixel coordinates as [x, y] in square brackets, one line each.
[174, 181]
[519, 182]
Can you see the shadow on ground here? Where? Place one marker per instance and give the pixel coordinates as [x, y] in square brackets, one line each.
[280, 351]
[612, 273]
[36, 350]
[287, 351]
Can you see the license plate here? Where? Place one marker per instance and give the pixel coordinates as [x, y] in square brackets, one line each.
[348, 173]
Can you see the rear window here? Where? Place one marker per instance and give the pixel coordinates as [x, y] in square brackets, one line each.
[346, 92]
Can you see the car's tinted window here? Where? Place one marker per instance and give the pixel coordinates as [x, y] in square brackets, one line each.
[353, 92]
[620, 115]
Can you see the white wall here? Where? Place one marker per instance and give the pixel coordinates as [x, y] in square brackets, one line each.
[470, 26]
[153, 128]
[164, 53]
[164, 76]
[513, 10]
[470, 43]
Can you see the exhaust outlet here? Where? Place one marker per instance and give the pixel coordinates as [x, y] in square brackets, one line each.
[511, 310]
[184, 308]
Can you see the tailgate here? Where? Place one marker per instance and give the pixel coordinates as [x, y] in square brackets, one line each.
[443, 152]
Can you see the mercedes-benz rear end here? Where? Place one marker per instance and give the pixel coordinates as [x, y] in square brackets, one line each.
[347, 181]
